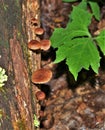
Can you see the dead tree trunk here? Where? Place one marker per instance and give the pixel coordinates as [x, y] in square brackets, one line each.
[16, 105]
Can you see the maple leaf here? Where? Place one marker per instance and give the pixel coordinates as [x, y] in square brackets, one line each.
[75, 43]
[101, 41]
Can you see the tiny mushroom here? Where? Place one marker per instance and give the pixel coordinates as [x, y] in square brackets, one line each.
[45, 44]
[34, 21]
[39, 31]
[42, 45]
[41, 76]
[34, 45]
[40, 95]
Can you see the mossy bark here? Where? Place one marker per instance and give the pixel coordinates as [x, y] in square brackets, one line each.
[16, 97]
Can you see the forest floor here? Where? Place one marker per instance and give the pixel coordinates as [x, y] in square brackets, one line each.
[78, 108]
[71, 105]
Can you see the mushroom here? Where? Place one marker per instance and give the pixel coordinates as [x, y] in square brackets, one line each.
[41, 76]
[45, 44]
[39, 31]
[34, 45]
[34, 21]
[40, 95]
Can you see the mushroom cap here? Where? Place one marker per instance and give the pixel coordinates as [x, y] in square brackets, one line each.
[39, 31]
[45, 44]
[34, 21]
[34, 45]
[41, 76]
[40, 95]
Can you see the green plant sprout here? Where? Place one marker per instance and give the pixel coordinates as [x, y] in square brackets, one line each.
[75, 43]
[3, 77]
[36, 121]
[1, 115]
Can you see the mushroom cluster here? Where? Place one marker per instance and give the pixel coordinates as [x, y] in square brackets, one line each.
[41, 75]
[39, 45]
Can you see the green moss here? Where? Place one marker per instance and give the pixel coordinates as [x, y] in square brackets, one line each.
[3, 77]
[3, 6]
[4, 43]
[21, 124]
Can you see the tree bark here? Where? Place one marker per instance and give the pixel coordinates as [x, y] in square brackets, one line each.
[17, 106]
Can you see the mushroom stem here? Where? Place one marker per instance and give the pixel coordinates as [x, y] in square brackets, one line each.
[35, 46]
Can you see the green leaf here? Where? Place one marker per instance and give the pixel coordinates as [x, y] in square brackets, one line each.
[76, 28]
[95, 9]
[82, 55]
[81, 16]
[101, 41]
[59, 55]
[69, 0]
[75, 43]
[83, 4]
[59, 36]
[63, 51]
[63, 36]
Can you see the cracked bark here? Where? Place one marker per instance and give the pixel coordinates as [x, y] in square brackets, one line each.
[16, 97]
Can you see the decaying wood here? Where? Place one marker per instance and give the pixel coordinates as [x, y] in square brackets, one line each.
[30, 10]
[22, 86]
[18, 103]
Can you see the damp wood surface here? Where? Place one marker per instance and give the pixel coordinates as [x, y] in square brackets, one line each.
[17, 107]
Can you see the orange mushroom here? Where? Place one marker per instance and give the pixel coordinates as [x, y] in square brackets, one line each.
[34, 21]
[41, 76]
[34, 45]
[40, 95]
[39, 31]
[45, 44]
